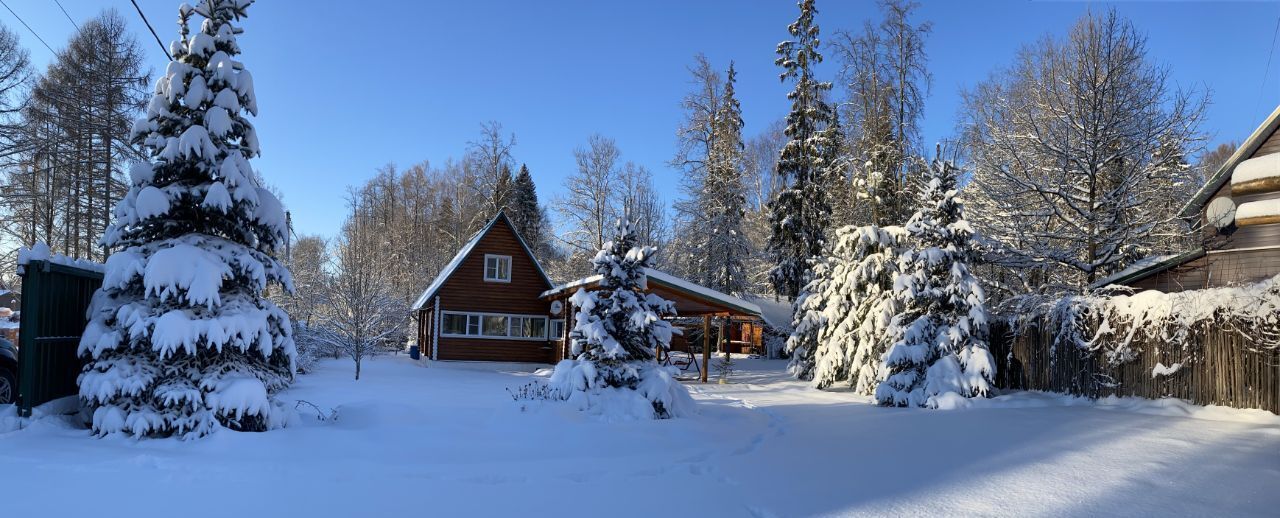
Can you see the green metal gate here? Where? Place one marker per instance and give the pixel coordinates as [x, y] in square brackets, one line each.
[55, 299]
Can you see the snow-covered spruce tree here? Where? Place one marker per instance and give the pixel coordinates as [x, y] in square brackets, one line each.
[859, 303]
[808, 320]
[723, 245]
[180, 338]
[940, 355]
[800, 214]
[617, 330]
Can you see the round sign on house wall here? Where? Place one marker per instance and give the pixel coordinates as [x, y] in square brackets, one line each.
[556, 307]
[1221, 212]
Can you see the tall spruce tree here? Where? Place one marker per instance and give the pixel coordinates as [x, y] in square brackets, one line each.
[800, 214]
[843, 317]
[939, 355]
[618, 329]
[723, 242]
[523, 208]
[181, 339]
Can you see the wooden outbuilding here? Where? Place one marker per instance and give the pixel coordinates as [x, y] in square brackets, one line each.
[1238, 214]
[737, 322]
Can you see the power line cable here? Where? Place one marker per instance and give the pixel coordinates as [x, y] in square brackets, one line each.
[153, 30]
[24, 24]
[1262, 89]
[68, 15]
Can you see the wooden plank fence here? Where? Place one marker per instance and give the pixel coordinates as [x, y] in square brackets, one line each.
[1220, 369]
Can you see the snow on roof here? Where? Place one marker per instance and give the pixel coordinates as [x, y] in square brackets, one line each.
[1250, 145]
[710, 294]
[671, 281]
[776, 313]
[585, 281]
[454, 263]
[1154, 262]
[1257, 168]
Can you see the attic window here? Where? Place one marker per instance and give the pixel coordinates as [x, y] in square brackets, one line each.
[497, 268]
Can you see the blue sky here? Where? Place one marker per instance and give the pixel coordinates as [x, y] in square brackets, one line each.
[345, 87]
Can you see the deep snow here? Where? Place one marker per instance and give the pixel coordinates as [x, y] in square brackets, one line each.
[446, 439]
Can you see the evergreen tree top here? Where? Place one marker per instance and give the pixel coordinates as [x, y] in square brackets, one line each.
[199, 142]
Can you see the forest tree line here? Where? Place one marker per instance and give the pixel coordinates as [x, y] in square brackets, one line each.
[1070, 157]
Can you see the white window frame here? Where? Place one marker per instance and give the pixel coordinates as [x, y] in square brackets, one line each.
[498, 269]
[478, 318]
[552, 325]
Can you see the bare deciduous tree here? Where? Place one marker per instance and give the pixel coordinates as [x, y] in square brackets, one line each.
[1076, 150]
[589, 204]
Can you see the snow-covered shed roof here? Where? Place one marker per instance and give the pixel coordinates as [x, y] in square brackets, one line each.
[673, 283]
[1223, 174]
[776, 313]
[457, 260]
[1147, 266]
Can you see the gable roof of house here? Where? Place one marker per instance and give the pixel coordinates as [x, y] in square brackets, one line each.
[466, 250]
[1223, 174]
[674, 283]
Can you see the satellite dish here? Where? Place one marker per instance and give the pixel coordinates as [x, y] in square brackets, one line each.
[1221, 212]
[557, 306]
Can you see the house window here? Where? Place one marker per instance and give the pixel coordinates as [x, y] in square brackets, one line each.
[557, 329]
[497, 268]
[490, 325]
[460, 324]
[528, 327]
[495, 325]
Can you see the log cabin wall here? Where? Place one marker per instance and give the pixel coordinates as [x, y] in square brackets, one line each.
[1216, 269]
[1236, 255]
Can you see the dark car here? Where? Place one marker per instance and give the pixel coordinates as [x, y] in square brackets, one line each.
[8, 372]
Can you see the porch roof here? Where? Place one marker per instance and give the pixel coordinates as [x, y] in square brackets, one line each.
[691, 299]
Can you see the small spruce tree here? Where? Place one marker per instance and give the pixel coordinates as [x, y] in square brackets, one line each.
[618, 329]
[940, 353]
[180, 339]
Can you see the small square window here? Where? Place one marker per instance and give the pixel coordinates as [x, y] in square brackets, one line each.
[497, 268]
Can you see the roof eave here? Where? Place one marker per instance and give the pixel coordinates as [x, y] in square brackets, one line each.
[1153, 269]
[1222, 175]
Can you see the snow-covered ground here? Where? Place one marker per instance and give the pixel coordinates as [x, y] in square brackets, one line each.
[418, 439]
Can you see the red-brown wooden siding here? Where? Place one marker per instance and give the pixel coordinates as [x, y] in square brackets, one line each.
[466, 290]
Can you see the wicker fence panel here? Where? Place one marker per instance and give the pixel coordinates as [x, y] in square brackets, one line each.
[1220, 368]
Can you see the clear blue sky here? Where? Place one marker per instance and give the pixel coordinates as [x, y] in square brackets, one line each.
[345, 87]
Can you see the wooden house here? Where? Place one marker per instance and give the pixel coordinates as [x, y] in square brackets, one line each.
[494, 302]
[1238, 214]
[484, 304]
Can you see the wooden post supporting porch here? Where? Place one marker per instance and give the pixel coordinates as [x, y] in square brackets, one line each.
[706, 345]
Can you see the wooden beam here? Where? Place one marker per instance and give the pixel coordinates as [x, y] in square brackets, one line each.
[724, 337]
[706, 345]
